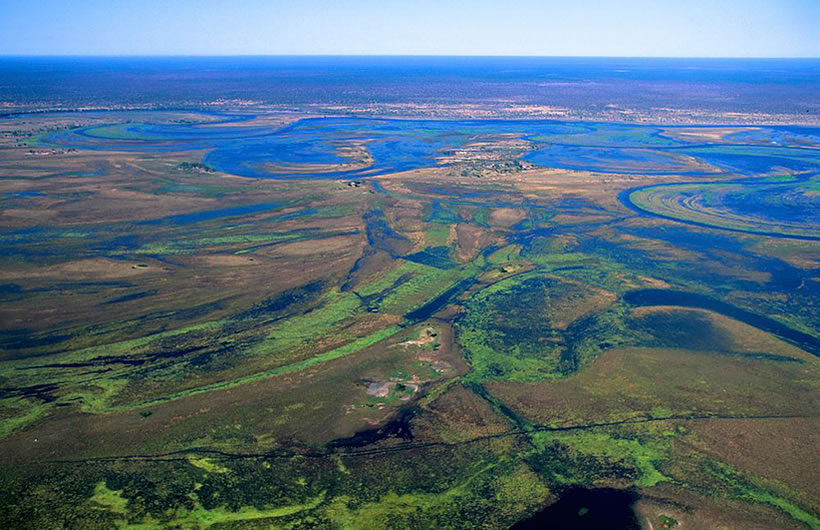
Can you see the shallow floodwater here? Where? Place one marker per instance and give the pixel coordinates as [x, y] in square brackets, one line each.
[364, 147]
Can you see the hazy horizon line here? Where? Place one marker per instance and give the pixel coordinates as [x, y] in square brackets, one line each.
[260, 55]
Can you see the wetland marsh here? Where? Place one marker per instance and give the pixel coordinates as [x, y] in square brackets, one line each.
[264, 318]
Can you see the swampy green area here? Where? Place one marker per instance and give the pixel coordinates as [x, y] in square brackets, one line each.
[258, 320]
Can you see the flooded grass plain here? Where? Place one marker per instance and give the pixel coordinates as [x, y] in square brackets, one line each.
[239, 319]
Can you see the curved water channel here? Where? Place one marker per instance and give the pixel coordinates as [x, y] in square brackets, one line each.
[761, 206]
[668, 297]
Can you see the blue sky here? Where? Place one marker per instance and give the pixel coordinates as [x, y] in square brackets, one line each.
[688, 28]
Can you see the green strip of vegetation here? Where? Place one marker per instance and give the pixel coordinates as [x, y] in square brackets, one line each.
[747, 490]
[196, 517]
[347, 349]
